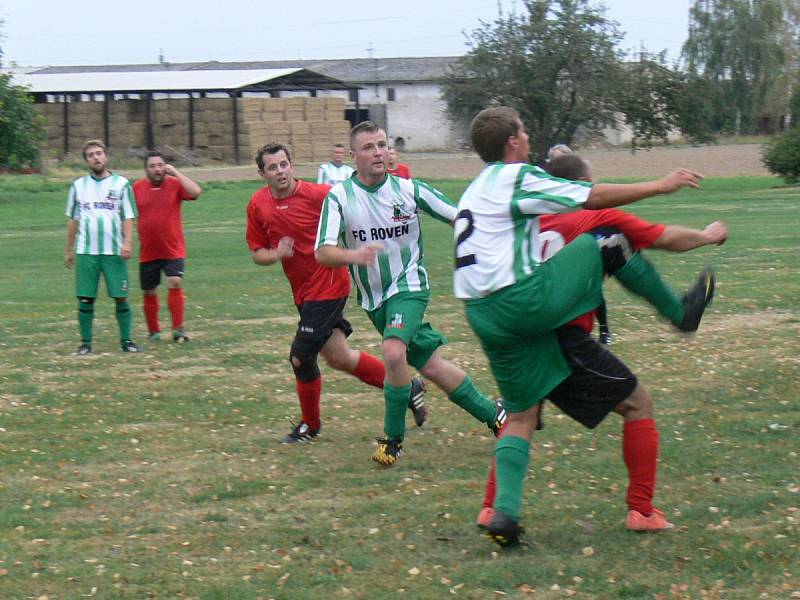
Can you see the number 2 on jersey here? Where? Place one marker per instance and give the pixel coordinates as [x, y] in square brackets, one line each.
[466, 259]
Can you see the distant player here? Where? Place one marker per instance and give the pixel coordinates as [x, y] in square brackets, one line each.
[334, 171]
[371, 222]
[101, 210]
[282, 220]
[396, 168]
[159, 197]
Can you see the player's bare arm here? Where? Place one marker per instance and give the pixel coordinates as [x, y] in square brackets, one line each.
[189, 186]
[333, 256]
[609, 195]
[270, 256]
[69, 250]
[127, 229]
[682, 239]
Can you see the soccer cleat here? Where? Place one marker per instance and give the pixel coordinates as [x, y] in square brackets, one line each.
[129, 346]
[696, 300]
[504, 530]
[179, 336]
[605, 336]
[500, 417]
[154, 337]
[657, 521]
[388, 451]
[301, 433]
[83, 349]
[485, 517]
[415, 403]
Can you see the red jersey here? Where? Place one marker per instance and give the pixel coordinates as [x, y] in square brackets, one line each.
[568, 226]
[270, 219]
[401, 170]
[159, 225]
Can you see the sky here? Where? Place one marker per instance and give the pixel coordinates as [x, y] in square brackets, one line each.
[58, 32]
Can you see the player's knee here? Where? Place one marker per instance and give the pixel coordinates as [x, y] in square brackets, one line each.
[639, 404]
[394, 353]
[304, 363]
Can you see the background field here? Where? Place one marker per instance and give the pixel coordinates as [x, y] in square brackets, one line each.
[159, 475]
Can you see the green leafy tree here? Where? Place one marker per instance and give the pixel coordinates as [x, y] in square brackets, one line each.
[782, 155]
[556, 62]
[736, 45]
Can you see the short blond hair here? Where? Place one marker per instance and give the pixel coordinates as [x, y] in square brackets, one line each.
[92, 144]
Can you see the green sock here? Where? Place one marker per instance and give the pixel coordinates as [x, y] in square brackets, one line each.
[85, 318]
[468, 397]
[124, 320]
[394, 419]
[511, 454]
[640, 277]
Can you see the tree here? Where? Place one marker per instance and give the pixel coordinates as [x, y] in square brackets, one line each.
[21, 127]
[556, 63]
[782, 155]
[736, 46]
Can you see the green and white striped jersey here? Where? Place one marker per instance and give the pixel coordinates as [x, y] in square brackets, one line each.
[331, 174]
[387, 213]
[99, 206]
[497, 229]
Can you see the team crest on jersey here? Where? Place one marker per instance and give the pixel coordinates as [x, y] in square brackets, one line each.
[399, 214]
[112, 195]
[396, 322]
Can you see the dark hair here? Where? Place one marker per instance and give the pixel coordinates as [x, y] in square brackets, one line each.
[153, 154]
[490, 130]
[271, 149]
[338, 145]
[91, 144]
[363, 127]
[568, 166]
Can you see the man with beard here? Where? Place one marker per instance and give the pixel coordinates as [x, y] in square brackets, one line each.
[159, 197]
[101, 210]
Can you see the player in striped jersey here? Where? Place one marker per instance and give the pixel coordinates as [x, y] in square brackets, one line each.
[375, 217]
[334, 171]
[514, 299]
[101, 210]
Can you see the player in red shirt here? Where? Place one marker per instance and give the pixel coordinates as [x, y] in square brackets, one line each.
[396, 168]
[600, 382]
[282, 220]
[159, 197]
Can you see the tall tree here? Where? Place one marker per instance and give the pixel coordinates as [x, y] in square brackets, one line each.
[736, 46]
[556, 62]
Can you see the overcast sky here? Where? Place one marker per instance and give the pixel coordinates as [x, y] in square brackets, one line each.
[60, 32]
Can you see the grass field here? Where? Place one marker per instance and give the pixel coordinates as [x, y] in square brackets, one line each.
[159, 475]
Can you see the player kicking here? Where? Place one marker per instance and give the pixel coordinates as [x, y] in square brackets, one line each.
[282, 222]
[598, 378]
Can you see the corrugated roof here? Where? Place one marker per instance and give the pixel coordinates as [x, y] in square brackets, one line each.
[351, 70]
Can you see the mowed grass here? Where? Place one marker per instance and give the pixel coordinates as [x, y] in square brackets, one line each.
[160, 475]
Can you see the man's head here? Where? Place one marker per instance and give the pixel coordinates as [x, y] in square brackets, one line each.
[391, 157]
[498, 135]
[570, 166]
[337, 154]
[94, 153]
[558, 150]
[368, 148]
[155, 167]
[275, 167]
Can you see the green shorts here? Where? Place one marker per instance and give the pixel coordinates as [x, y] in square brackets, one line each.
[401, 317]
[516, 324]
[88, 268]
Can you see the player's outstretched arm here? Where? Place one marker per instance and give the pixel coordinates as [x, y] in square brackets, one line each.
[334, 256]
[609, 195]
[681, 239]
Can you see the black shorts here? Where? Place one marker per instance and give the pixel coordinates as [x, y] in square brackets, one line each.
[598, 382]
[150, 272]
[318, 319]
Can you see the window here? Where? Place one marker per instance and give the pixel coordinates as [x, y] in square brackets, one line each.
[390, 94]
[352, 95]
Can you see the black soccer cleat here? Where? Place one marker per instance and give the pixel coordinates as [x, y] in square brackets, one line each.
[504, 530]
[605, 336]
[500, 417]
[84, 349]
[696, 300]
[301, 433]
[129, 346]
[415, 402]
[388, 451]
[179, 336]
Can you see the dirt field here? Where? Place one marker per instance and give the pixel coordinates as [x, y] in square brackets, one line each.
[721, 161]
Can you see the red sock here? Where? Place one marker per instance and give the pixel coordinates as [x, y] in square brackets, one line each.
[491, 488]
[176, 302]
[640, 452]
[370, 370]
[150, 304]
[308, 393]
